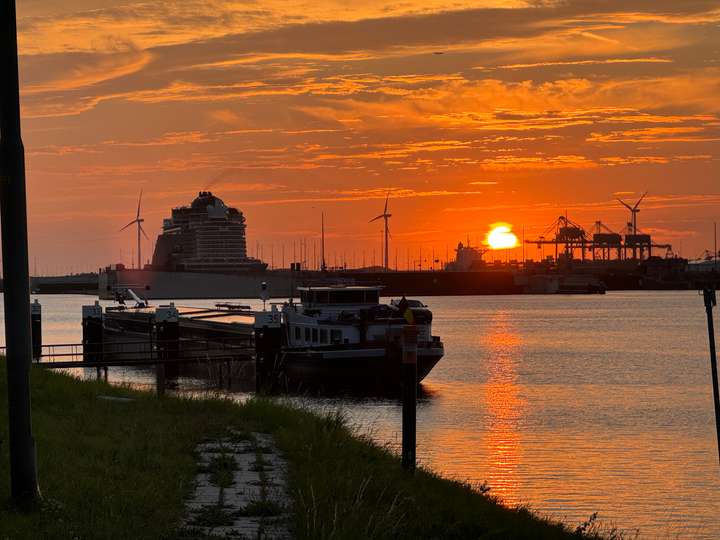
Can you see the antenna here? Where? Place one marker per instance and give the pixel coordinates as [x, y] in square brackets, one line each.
[139, 221]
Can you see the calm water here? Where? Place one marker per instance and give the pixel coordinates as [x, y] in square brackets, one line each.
[572, 405]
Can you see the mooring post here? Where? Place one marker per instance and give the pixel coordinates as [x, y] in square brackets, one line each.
[92, 331]
[167, 332]
[160, 378]
[409, 396]
[13, 217]
[268, 341]
[709, 296]
[36, 323]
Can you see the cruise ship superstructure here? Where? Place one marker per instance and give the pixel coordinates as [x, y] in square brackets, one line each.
[207, 236]
[201, 252]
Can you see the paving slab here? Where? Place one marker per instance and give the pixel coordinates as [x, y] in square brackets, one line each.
[260, 480]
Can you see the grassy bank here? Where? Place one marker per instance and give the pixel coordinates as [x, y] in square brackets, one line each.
[113, 469]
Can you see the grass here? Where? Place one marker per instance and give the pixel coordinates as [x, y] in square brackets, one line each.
[119, 470]
[221, 468]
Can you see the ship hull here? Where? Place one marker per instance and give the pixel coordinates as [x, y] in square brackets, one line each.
[159, 285]
[353, 368]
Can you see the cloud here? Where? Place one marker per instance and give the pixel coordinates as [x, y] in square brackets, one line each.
[294, 104]
[593, 62]
[656, 135]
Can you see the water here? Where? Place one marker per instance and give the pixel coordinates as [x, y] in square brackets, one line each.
[569, 404]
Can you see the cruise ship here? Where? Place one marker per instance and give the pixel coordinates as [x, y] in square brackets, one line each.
[201, 252]
[207, 236]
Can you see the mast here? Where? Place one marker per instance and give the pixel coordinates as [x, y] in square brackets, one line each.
[322, 241]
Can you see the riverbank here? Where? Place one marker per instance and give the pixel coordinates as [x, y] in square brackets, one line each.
[123, 469]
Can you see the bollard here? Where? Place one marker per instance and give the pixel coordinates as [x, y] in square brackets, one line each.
[92, 328]
[409, 396]
[36, 329]
[167, 334]
[710, 302]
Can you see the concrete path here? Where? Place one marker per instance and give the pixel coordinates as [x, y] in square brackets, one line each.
[241, 490]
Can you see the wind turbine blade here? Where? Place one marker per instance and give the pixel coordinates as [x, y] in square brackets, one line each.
[375, 219]
[139, 199]
[640, 200]
[626, 205]
[386, 202]
[143, 231]
[126, 226]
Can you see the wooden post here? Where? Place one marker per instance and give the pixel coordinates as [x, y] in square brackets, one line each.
[92, 328]
[268, 341]
[710, 302]
[409, 396]
[167, 332]
[160, 378]
[36, 323]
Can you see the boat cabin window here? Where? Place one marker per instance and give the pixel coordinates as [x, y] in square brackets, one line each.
[336, 336]
[307, 334]
[314, 335]
[341, 296]
[323, 336]
[297, 332]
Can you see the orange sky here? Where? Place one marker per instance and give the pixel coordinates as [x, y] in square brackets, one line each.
[513, 111]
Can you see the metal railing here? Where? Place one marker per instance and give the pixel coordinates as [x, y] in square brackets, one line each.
[144, 352]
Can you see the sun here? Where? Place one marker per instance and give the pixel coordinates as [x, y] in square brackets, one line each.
[501, 237]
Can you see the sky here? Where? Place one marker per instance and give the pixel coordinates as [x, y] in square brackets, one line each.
[466, 113]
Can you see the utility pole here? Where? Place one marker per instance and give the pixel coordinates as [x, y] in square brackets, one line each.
[13, 213]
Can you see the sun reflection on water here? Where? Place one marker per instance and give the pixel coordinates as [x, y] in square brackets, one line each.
[504, 407]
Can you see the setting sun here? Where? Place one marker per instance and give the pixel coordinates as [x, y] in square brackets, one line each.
[501, 237]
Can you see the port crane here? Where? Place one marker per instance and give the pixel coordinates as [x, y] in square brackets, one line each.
[606, 240]
[568, 234]
[568, 237]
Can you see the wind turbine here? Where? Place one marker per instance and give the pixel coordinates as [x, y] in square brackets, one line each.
[385, 216]
[140, 229]
[634, 211]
